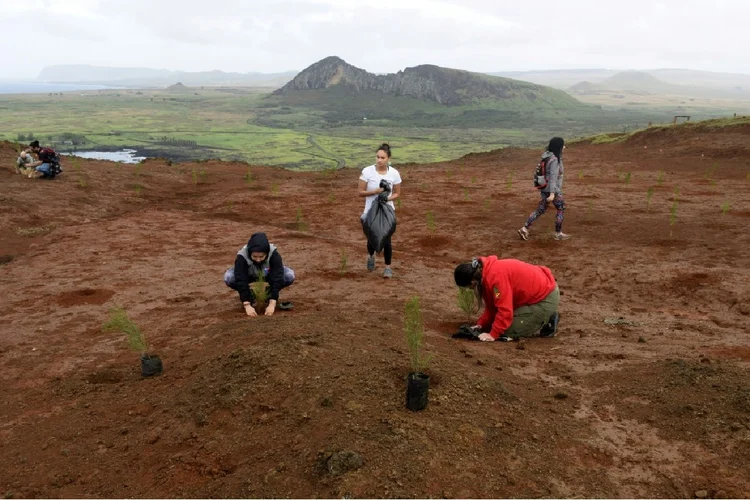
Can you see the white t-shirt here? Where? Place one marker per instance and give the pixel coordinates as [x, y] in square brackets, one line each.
[372, 177]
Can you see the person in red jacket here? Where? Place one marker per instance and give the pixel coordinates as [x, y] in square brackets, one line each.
[520, 299]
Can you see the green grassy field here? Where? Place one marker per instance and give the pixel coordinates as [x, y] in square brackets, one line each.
[304, 131]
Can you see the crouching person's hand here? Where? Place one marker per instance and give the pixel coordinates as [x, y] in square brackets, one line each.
[271, 307]
[249, 309]
[486, 337]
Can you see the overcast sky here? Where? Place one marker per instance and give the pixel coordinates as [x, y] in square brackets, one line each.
[377, 35]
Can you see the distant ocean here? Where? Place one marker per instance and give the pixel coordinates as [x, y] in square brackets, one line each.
[44, 88]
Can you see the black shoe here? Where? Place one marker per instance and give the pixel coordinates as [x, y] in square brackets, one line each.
[550, 329]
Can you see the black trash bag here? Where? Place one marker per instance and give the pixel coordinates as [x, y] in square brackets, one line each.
[467, 332]
[150, 365]
[380, 223]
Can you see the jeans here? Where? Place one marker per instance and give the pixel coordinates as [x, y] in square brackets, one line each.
[230, 282]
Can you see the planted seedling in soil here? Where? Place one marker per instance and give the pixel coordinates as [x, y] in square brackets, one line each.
[580, 175]
[418, 382]
[660, 177]
[301, 224]
[343, 261]
[430, 221]
[467, 301]
[274, 189]
[138, 169]
[120, 322]
[725, 207]
[627, 178]
[676, 193]
[649, 194]
[204, 175]
[259, 289]
[138, 189]
[509, 183]
[466, 194]
[672, 217]
[195, 177]
[248, 177]
[486, 204]
[473, 179]
[711, 170]
[398, 202]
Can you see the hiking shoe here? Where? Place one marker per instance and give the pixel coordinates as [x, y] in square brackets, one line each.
[550, 329]
[523, 233]
[371, 263]
[285, 306]
[561, 236]
[387, 273]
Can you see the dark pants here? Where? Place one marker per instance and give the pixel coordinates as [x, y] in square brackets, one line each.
[528, 320]
[387, 248]
[559, 204]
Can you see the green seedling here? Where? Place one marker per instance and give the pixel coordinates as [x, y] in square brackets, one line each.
[331, 198]
[627, 178]
[449, 174]
[299, 220]
[466, 194]
[509, 182]
[274, 189]
[660, 177]
[430, 221]
[414, 331]
[398, 202]
[649, 194]
[138, 169]
[204, 175]
[82, 182]
[195, 177]
[259, 288]
[248, 177]
[486, 204]
[467, 301]
[672, 217]
[473, 179]
[725, 207]
[138, 189]
[120, 322]
[343, 261]
[580, 175]
[711, 170]
[676, 193]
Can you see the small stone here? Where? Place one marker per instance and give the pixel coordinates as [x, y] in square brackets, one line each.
[480, 362]
[701, 494]
[641, 340]
[154, 436]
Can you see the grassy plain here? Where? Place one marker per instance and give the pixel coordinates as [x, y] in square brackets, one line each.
[309, 130]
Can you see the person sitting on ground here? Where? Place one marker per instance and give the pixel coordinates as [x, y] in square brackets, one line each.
[48, 165]
[259, 258]
[520, 299]
[23, 162]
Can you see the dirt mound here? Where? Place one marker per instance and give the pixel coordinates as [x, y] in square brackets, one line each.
[643, 393]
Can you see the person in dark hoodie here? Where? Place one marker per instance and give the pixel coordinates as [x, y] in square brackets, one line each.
[259, 256]
[520, 299]
[551, 192]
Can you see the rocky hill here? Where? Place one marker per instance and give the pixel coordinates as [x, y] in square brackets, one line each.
[425, 82]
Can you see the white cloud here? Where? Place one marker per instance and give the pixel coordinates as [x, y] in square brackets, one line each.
[377, 35]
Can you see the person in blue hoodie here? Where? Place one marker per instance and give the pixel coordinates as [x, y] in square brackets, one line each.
[552, 190]
[259, 256]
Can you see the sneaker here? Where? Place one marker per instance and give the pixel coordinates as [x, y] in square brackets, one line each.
[285, 306]
[550, 329]
[387, 273]
[523, 233]
[371, 263]
[561, 236]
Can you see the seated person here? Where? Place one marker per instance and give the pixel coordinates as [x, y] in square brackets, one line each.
[259, 258]
[48, 165]
[23, 162]
[520, 299]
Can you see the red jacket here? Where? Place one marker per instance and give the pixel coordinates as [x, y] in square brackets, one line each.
[508, 284]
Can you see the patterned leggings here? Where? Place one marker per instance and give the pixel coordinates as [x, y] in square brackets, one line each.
[559, 204]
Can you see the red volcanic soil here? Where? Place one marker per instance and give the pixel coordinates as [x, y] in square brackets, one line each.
[310, 402]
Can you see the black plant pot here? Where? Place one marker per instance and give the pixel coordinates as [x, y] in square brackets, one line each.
[150, 365]
[417, 389]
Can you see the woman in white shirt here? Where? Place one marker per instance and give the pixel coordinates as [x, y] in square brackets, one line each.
[369, 187]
